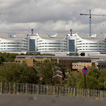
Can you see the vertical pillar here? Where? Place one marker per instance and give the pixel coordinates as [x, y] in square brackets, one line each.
[38, 89]
[88, 92]
[14, 88]
[66, 91]
[57, 90]
[1, 87]
[82, 92]
[101, 93]
[26, 88]
[74, 92]
[48, 90]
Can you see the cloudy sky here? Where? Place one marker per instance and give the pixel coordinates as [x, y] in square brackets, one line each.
[51, 16]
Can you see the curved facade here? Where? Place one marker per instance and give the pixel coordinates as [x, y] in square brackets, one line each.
[95, 43]
[46, 43]
[14, 43]
[51, 44]
[56, 43]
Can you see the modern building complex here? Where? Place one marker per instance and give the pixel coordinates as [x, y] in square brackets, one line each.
[44, 43]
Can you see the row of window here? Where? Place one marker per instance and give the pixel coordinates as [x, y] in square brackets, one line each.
[51, 46]
[12, 48]
[9, 48]
[49, 43]
[101, 65]
[92, 46]
[55, 40]
[62, 61]
[10, 42]
[49, 49]
[91, 43]
[91, 49]
[9, 45]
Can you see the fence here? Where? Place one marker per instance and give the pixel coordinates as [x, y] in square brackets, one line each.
[22, 88]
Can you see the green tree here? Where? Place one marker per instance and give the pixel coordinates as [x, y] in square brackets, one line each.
[7, 57]
[91, 79]
[73, 78]
[91, 82]
[45, 71]
[18, 73]
[76, 79]
[29, 75]
[93, 71]
[102, 79]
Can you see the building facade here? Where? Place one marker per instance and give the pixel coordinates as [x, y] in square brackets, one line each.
[13, 43]
[58, 43]
[69, 63]
[95, 43]
[46, 43]
[77, 43]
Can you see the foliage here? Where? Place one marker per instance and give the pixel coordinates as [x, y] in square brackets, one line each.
[91, 83]
[7, 57]
[95, 79]
[45, 70]
[94, 72]
[43, 74]
[40, 54]
[73, 78]
[102, 79]
[18, 73]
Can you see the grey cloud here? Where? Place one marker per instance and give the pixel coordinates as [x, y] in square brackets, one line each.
[50, 15]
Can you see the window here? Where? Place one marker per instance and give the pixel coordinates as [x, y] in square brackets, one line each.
[32, 45]
[71, 45]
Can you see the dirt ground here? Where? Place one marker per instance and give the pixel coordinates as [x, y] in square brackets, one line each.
[35, 100]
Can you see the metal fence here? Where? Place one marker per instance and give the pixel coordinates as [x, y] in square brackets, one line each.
[22, 88]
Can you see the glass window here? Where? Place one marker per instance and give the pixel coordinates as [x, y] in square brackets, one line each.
[71, 45]
[32, 45]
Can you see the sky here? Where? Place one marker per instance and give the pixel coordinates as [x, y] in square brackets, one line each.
[51, 16]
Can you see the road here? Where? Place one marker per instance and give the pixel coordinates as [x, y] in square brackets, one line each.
[35, 100]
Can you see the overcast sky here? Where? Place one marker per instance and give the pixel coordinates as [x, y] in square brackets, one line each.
[51, 16]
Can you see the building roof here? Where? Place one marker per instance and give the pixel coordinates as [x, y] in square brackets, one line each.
[3, 35]
[93, 37]
[101, 62]
[12, 37]
[52, 37]
[55, 57]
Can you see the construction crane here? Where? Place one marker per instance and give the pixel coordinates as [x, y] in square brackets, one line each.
[90, 19]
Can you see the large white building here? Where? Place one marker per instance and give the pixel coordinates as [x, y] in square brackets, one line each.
[95, 43]
[44, 43]
[13, 43]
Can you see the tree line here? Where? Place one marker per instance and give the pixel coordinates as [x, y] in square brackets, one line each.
[42, 73]
[21, 73]
[7, 57]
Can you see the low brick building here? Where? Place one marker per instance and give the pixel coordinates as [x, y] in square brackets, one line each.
[66, 62]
